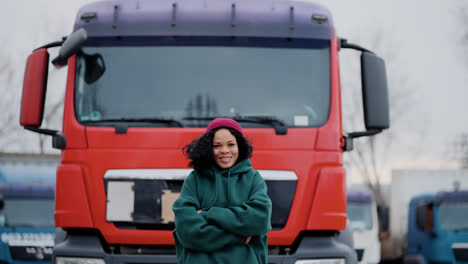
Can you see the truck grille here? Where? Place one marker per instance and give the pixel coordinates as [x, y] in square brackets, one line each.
[460, 252]
[142, 201]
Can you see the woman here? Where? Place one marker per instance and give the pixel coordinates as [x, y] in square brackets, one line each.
[223, 212]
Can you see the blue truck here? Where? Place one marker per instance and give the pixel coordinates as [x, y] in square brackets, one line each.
[27, 198]
[438, 228]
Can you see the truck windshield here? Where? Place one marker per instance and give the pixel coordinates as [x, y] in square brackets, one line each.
[360, 215]
[187, 84]
[453, 216]
[28, 213]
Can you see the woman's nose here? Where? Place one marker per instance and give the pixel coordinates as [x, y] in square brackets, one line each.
[224, 149]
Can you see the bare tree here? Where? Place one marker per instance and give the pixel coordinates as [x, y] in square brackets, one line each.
[463, 19]
[6, 72]
[464, 150]
[12, 65]
[9, 80]
[374, 156]
[458, 150]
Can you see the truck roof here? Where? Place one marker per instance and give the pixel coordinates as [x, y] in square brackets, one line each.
[27, 174]
[272, 18]
[360, 196]
[442, 197]
[423, 198]
[452, 197]
[36, 191]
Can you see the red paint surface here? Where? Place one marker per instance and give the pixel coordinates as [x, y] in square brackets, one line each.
[71, 203]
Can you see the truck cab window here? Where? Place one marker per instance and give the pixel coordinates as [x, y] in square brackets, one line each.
[452, 216]
[30, 212]
[193, 84]
[360, 215]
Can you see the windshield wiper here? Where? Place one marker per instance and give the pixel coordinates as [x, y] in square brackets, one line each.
[277, 124]
[136, 120]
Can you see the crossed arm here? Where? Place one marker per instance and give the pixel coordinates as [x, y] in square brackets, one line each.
[251, 218]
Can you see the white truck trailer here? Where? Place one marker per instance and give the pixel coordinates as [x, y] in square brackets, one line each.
[362, 212]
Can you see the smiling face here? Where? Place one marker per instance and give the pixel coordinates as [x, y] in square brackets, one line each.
[225, 148]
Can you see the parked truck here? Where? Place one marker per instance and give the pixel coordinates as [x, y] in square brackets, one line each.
[438, 228]
[362, 212]
[27, 229]
[146, 77]
[407, 184]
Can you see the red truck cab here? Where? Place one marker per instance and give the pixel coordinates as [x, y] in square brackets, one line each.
[146, 77]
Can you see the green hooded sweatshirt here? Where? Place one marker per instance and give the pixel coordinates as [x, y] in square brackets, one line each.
[234, 204]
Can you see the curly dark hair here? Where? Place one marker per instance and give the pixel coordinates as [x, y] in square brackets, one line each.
[200, 150]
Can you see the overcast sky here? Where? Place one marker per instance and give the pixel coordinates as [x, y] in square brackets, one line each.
[426, 37]
[425, 34]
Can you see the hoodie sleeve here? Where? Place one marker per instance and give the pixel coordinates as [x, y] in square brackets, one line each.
[192, 229]
[251, 218]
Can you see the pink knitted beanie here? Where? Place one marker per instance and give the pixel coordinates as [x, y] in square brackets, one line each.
[225, 122]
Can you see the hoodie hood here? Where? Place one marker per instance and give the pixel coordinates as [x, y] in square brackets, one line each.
[242, 167]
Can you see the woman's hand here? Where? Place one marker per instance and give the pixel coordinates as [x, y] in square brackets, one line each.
[199, 211]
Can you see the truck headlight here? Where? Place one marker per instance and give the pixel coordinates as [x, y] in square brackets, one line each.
[321, 261]
[67, 260]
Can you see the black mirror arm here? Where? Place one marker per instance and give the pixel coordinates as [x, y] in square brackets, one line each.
[51, 45]
[364, 133]
[346, 45]
[58, 139]
[43, 131]
[347, 140]
[58, 61]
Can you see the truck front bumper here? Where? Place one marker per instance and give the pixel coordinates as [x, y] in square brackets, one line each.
[88, 249]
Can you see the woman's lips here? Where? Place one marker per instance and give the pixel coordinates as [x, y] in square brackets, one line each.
[225, 159]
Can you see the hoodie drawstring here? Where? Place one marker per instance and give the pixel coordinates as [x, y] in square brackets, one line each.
[216, 191]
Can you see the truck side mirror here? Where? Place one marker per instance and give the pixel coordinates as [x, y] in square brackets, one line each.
[70, 46]
[430, 219]
[35, 84]
[425, 218]
[374, 92]
[34, 88]
[421, 217]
